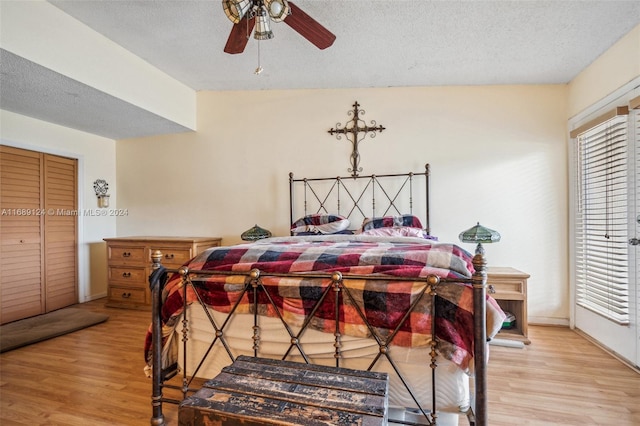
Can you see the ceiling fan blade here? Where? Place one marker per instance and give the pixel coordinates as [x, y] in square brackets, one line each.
[309, 28]
[239, 36]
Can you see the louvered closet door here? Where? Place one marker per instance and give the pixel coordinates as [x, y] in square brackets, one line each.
[21, 276]
[60, 232]
[38, 233]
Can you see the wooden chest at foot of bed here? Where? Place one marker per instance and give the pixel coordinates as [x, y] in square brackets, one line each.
[259, 391]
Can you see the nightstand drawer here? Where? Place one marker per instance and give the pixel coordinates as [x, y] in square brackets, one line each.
[506, 290]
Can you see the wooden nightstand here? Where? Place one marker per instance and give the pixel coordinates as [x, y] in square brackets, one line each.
[509, 287]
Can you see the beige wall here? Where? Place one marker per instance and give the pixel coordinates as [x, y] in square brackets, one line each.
[497, 156]
[96, 160]
[612, 70]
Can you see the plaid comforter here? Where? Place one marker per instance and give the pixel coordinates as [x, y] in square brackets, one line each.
[382, 302]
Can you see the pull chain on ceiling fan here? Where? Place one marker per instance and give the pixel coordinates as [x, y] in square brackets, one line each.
[247, 14]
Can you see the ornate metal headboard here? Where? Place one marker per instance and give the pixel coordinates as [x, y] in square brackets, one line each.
[358, 197]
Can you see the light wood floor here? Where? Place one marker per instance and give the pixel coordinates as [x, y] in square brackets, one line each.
[95, 376]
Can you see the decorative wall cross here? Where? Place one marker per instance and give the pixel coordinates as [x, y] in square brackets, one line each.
[351, 130]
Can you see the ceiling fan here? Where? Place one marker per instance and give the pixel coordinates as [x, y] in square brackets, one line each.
[247, 14]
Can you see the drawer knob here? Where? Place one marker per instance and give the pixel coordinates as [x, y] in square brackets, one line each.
[168, 256]
[492, 289]
[126, 274]
[126, 295]
[126, 254]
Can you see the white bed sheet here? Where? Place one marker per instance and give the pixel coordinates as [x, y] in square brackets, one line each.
[452, 390]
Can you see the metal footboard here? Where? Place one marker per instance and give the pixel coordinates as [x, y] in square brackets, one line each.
[253, 286]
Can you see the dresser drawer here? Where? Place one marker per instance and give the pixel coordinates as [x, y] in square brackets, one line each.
[127, 295]
[172, 256]
[125, 255]
[129, 276]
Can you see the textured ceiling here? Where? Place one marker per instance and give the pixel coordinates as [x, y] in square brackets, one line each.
[380, 43]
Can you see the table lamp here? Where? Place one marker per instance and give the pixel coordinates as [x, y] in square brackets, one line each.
[479, 234]
[255, 233]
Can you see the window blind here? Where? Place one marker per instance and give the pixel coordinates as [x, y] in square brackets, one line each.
[601, 218]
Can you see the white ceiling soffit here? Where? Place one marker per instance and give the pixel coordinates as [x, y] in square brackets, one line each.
[30, 89]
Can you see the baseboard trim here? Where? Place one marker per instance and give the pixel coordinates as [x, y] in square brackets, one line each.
[92, 297]
[563, 322]
[608, 350]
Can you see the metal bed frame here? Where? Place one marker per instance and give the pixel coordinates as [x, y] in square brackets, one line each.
[477, 414]
[339, 284]
[343, 195]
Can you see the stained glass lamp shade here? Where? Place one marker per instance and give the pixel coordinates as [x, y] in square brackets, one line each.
[255, 233]
[479, 234]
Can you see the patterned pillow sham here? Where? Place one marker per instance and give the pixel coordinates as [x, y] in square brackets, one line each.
[391, 221]
[345, 232]
[320, 224]
[399, 231]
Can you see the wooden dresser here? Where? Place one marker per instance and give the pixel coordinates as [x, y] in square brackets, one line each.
[129, 265]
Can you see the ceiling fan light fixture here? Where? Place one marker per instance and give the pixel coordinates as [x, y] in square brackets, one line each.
[254, 15]
[263, 29]
[278, 9]
[236, 9]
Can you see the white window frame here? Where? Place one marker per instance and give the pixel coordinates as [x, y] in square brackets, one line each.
[601, 216]
[619, 97]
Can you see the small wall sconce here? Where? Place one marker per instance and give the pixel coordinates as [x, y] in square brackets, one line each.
[100, 186]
